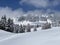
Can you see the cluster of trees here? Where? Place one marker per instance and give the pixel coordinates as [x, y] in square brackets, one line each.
[29, 18]
[22, 18]
[8, 25]
[46, 26]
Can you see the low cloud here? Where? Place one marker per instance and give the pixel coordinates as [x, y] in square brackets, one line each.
[36, 3]
[19, 12]
[41, 3]
[10, 13]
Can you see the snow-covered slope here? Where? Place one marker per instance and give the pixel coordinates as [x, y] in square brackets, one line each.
[4, 35]
[41, 37]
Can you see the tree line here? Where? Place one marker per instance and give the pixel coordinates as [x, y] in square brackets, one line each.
[8, 25]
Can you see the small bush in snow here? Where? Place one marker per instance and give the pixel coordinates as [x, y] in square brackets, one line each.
[28, 28]
[35, 28]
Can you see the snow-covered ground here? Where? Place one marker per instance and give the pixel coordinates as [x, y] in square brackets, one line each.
[41, 37]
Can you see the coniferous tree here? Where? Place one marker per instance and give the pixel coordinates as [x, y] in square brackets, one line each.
[35, 29]
[10, 25]
[22, 30]
[3, 22]
[5, 18]
[28, 28]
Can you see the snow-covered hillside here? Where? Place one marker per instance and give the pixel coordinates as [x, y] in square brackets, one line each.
[41, 37]
[4, 35]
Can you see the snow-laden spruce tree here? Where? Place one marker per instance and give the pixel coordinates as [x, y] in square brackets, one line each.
[22, 29]
[3, 22]
[28, 28]
[10, 25]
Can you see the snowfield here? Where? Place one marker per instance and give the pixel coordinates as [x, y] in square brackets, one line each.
[41, 37]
